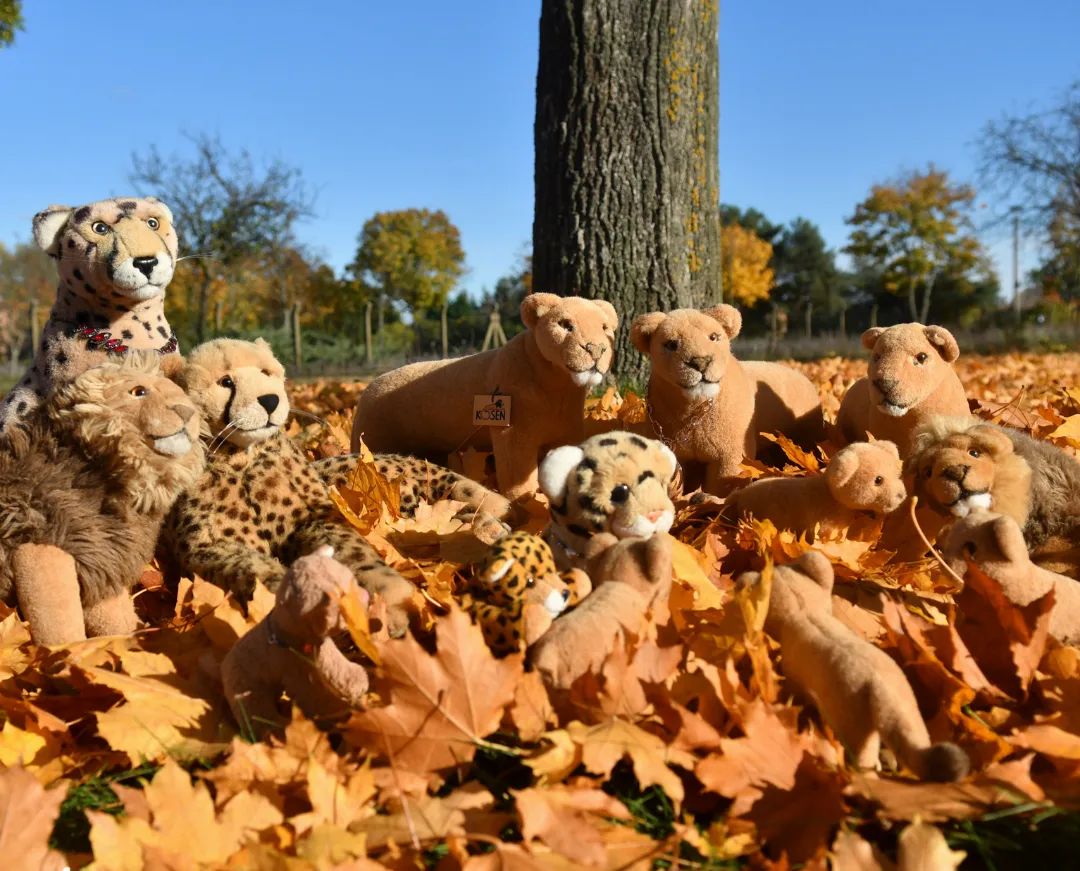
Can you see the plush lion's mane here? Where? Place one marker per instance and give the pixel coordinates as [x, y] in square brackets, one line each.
[79, 475]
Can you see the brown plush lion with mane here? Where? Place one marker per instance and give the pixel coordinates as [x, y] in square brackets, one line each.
[84, 486]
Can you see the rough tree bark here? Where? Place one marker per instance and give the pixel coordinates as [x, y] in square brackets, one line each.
[626, 174]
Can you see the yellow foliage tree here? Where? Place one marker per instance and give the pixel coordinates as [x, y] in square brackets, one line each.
[744, 264]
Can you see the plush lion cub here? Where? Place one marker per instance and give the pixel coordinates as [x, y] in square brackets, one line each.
[859, 690]
[861, 479]
[426, 409]
[710, 407]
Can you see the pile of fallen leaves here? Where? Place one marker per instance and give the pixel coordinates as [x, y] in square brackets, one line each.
[685, 751]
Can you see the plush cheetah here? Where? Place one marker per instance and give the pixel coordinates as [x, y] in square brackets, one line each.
[260, 504]
[114, 259]
[519, 592]
[422, 481]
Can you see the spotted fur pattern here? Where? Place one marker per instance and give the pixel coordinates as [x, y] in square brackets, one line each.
[114, 259]
[419, 481]
[520, 570]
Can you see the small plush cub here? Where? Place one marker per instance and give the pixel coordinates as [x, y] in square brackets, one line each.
[861, 479]
[996, 545]
[859, 690]
[291, 650]
[519, 592]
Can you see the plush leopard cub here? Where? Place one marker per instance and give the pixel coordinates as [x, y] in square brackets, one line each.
[114, 259]
[421, 480]
[260, 504]
[519, 592]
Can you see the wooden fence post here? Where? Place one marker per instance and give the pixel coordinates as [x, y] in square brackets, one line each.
[35, 328]
[298, 347]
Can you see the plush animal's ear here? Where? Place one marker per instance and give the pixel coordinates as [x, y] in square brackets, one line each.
[870, 337]
[642, 329]
[47, 226]
[611, 317]
[535, 305]
[555, 468]
[324, 551]
[746, 580]
[171, 367]
[728, 317]
[1010, 539]
[816, 566]
[497, 570]
[669, 455]
[943, 342]
[843, 466]
[993, 438]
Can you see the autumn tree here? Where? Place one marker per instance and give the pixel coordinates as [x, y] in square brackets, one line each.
[806, 274]
[747, 276]
[413, 257]
[27, 275]
[228, 209]
[1032, 162]
[917, 229]
[626, 176]
[11, 20]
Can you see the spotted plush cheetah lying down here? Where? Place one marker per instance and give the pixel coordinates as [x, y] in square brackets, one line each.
[261, 504]
[114, 259]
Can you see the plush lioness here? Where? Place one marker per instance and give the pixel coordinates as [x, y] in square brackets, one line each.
[615, 483]
[84, 487]
[708, 406]
[260, 504]
[910, 378]
[427, 409]
[114, 259]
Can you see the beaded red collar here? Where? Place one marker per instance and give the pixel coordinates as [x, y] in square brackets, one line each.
[101, 340]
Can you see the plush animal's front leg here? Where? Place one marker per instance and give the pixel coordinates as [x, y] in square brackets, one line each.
[325, 686]
[346, 679]
[516, 461]
[114, 615]
[47, 589]
[232, 565]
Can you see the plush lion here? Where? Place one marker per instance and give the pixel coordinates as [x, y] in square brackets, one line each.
[84, 487]
[260, 504]
[861, 479]
[994, 543]
[615, 483]
[910, 379]
[710, 407]
[859, 690]
[114, 259]
[426, 409]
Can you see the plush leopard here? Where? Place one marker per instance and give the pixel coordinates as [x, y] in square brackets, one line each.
[114, 259]
[422, 481]
[519, 592]
[615, 483]
[260, 504]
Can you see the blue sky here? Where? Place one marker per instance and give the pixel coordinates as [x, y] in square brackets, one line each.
[388, 106]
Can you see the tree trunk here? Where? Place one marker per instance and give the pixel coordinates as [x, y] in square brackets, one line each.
[369, 356]
[445, 330]
[626, 175]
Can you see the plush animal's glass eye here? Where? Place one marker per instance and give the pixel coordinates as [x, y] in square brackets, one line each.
[921, 357]
[152, 223]
[567, 325]
[227, 382]
[671, 344]
[928, 473]
[266, 372]
[975, 452]
[530, 582]
[139, 391]
[714, 337]
[969, 548]
[100, 227]
[878, 481]
[620, 493]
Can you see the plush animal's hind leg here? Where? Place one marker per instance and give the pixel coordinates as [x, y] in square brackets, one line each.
[112, 616]
[47, 589]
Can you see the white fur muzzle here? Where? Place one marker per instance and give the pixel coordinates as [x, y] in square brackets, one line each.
[974, 502]
[642, 527]
[703, 390]
[137, 284]
[893, 410]
[588, 378]
[176, 445]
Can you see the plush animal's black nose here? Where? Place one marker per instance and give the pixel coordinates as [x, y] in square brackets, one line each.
[699, 363]
[145, 265]
[956, 473]
[566, 595]
[184, 412]
[269, 401]
[595, 349]
[885, 385]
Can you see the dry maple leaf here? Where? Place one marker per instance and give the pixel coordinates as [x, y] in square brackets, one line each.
[566, 820]
[27, 814]
[442, 705]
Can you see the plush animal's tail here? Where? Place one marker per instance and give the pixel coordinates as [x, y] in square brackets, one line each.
[903, 731]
